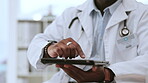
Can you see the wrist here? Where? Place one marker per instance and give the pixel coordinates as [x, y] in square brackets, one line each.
[109, 75]
[45, 54]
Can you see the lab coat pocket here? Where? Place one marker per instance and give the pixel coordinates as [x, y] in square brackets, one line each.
[127, 42]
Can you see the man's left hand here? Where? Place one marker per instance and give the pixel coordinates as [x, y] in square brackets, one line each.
[95, 74]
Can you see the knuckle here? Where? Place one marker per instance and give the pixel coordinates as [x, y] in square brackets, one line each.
[73, 56]
[80, 50]
[69, 38]
[62, 42]
[73, 52]
[53, 54]
[77, 45]
[72, 47]
[50, 52]
[57, 49]
[65, 48]
[59, 43]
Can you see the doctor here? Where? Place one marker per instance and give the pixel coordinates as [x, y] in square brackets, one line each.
[110, 30]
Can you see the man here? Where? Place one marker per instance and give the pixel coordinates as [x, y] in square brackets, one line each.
[110, 30]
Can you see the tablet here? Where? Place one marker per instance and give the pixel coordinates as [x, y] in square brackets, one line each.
[73, 61]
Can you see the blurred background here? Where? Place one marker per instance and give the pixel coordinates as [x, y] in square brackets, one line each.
[20, 20]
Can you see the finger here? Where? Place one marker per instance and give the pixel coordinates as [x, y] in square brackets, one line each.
[72, 51]
[97, 68]
[65, 48]
[52, 53]
[54, 50]
[74, 69]
[66, 51]
[78, 48]
[80, 52]
[94, 68]
[59, 65]
[73, 72]
[58, 51]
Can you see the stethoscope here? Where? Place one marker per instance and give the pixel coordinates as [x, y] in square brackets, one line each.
[123, 32]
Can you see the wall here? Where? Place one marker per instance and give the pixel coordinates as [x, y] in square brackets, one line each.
[3, 39]
[8, 20]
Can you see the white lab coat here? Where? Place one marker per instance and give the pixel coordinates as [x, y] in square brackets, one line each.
[129, 63]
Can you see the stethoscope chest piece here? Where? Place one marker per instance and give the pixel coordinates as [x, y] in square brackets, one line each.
[124, 31]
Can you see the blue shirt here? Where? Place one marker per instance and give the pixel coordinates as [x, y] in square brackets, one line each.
[100, 23]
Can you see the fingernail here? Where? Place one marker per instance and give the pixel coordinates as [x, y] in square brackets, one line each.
[83, 56]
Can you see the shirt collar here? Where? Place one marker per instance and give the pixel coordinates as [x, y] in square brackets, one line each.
[111, 8]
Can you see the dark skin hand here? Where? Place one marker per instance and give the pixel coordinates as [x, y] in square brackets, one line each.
[60, 49]
[95, 74]
[73, 50]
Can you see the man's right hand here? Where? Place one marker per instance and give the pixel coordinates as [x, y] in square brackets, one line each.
[67, 48]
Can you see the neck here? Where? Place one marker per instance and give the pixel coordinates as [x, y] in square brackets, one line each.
[102, 4]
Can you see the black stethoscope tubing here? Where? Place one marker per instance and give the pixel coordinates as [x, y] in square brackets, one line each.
[76, 18]
[123, 32]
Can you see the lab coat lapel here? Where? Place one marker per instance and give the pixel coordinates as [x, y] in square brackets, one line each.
[118, 16]
[120, 13]
[86, 22]
[110, 33]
